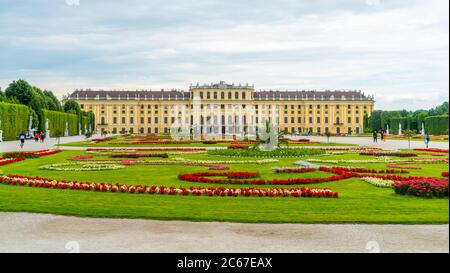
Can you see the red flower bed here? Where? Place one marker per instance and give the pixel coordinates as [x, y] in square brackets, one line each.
[444, 174]
[46, 152]
[160, 142]
[98, 140]
[339, 174]
[425, 187]
[389, 154]
[434, 150]
[30, 154]
[148, 149]
[137, 155]
[139, 189]
[4, 161]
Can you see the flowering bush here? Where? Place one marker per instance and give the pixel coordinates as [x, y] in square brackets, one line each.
[4, 161]
[182, 191]
[389, 154]
[444, 174]
[382, 183]
[98, 140]
[424, 187]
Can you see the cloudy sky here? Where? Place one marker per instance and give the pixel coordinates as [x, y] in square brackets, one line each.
[397, 50]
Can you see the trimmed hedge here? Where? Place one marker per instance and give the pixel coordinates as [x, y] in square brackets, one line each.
[15, 119]
[437, 125]
[404, 121]
[57, 120]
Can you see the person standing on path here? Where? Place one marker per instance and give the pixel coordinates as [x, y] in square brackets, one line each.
[381, 135]
[22, 140]
[41, 137]
[375, 137]
[427, 140]
[384, 136]
[36, 137]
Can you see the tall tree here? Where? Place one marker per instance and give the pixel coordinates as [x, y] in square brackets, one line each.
[72, 106]
[20, 90]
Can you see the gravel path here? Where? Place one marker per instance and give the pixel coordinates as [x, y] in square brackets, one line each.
[26, 232]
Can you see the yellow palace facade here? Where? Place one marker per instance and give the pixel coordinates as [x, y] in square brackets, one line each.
[226, 109]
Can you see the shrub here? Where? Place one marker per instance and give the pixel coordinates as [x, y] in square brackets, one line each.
[437, 125]
[424, 187]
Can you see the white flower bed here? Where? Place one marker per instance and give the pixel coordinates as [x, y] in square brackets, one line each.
[382, 183]
[83, 166]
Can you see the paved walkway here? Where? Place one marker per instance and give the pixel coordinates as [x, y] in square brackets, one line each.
[390, 144]
[25, 232]
[31, 145]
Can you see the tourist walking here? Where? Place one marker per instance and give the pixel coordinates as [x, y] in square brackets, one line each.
[41, 137]
[36, 137]
[22, 140]
[381, 135]
[427, 140]
[384, 136]
[375, 136]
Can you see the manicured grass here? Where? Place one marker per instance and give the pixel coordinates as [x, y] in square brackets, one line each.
[358, 202]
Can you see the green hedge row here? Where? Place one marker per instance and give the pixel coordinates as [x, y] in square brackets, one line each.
[404, 121]
[57, 120]
[436, 125]
[14, 120]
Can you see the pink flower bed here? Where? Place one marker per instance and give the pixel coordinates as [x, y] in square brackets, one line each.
[404, 165]
[425, 187]
[182, 191]
[389, 154]
[149, 149]
[80, 157]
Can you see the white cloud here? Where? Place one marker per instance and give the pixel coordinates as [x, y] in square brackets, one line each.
[396, 50]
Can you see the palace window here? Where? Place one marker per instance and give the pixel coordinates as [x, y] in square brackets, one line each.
[156, 121]
[142, 120]
[236, 95]
[215, 95]
[230, 96]
[131, 120]
[222, 95]
[243, 95]
[310, 120]
[115, 120]
[318, 120]
[208, 95]
[123, 120]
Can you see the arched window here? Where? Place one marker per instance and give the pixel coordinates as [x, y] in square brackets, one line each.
[103, 120]
[230, 95]
[222, 95]
[338, 121]
[236, 95]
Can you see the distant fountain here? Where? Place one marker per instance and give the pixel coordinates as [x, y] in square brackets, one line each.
[66, 131]
[387, 129]
[423, 129]
[1, 132]
[47, 131]
[399, 128]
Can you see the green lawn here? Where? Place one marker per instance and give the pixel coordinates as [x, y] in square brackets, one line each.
[358, 202]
